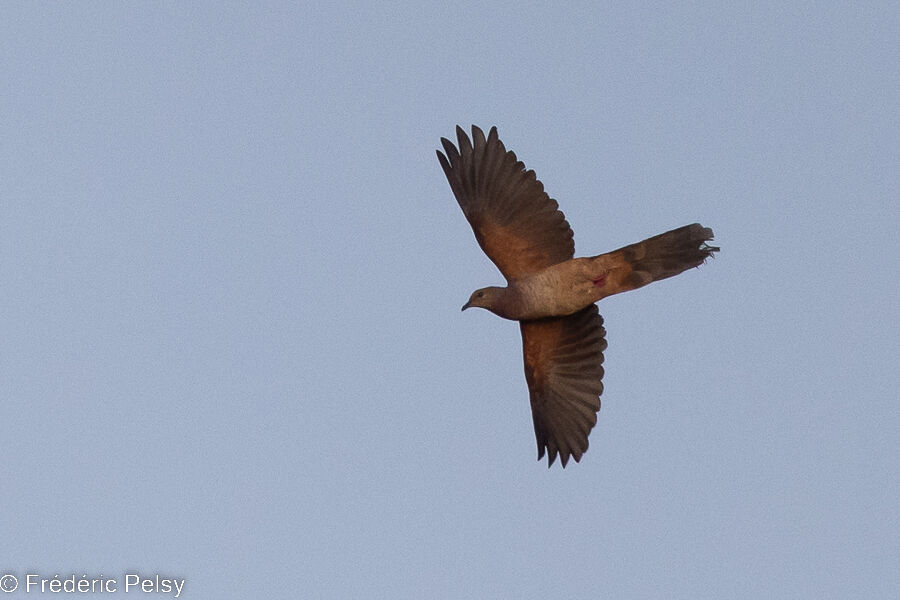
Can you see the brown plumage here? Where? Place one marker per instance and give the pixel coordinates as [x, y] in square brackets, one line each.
[551, 293]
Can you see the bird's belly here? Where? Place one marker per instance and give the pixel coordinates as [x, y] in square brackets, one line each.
[556, 293]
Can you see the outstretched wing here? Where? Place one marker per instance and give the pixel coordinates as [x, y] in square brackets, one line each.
[564, 369]
[516, 223]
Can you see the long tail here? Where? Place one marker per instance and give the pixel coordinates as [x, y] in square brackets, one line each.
[662, 256]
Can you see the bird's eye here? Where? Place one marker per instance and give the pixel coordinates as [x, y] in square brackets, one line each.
[479, 294]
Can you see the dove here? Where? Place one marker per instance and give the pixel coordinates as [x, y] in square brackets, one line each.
[549, 292]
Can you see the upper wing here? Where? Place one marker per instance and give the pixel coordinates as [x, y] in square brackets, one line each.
[516, 223]
[564, 369]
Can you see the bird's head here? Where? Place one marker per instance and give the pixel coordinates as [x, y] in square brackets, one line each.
[490, 298]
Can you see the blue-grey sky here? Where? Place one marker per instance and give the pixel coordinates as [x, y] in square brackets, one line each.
[231, 270]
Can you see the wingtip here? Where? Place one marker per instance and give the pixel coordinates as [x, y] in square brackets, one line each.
[478, 139]
[461, 134]
[563, 455]
[465, 145]
[552, 453]
[452, 155]
[477, 136]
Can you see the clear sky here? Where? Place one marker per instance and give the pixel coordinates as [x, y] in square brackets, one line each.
[231, 272]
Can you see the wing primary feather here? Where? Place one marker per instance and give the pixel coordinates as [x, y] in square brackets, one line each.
[516, 223]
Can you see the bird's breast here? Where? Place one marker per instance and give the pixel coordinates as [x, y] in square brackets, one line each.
[557, 291]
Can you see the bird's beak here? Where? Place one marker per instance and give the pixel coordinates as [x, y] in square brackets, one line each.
[466, 305]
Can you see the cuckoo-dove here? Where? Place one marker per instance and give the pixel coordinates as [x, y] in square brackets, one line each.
[551, 293]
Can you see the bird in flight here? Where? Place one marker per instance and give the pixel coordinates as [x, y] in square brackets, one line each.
[549, 291]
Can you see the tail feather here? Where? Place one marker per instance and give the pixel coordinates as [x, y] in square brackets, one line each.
[662, 256]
